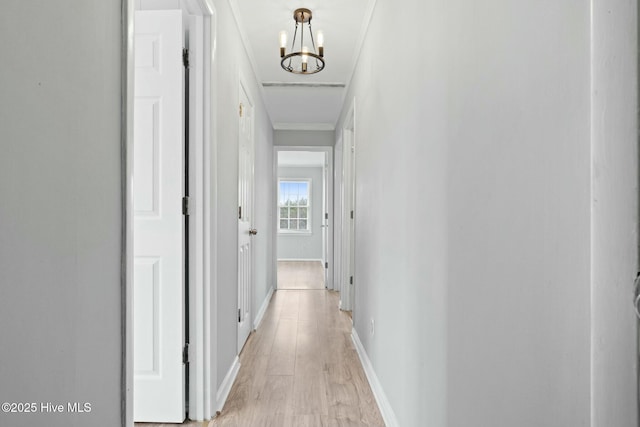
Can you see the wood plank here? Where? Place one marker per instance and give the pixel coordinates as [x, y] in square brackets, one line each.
[283, 353]
[310, 395]
[300, 368]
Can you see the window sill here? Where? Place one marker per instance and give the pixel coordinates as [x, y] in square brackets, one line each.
[295, 233]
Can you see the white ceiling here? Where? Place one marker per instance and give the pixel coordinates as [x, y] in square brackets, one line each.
[343, 23]
[301, 158]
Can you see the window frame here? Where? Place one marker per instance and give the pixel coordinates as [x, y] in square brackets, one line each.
[308, 230]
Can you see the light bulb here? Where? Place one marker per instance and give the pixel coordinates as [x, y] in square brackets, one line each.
[283, 43]
[321, 43]
[305, 50]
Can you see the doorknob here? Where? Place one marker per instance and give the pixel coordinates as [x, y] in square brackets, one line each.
[253, 231]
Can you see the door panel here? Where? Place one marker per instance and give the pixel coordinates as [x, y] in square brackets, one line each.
[245, 217]
[158, 295]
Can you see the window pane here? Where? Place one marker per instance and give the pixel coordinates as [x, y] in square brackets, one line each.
[293, 224]
[284, 192]
[283, 224]
[303, 190]
[302, 224]
[298, 191]
[284, 212]
[293, 213]
[302, 213]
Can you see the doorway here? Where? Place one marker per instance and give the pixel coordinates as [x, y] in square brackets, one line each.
[167, 308]
[304, 211]
[348, 212]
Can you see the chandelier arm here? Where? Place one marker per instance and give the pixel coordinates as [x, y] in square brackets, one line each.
[301, 32]
[313, 43]
[293, 42]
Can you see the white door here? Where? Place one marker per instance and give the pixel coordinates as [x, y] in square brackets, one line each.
[158, 283]
[348, 227]
[245, 217]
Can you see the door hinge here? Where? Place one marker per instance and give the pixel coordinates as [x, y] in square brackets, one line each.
[351, 280]
[185, 353]
[240, 109]
[186, 206]
[326, 215]
[351, 214]
[326, 265]
[185, 57]
[239, 316]
[239, 212]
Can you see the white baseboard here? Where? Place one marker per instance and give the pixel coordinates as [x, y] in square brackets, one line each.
[301, 259]
[386, 411]
[263, 309]
[225, 387]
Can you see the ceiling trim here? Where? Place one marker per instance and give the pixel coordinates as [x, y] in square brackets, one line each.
[304, 126]
[368, 15]
[303, 84]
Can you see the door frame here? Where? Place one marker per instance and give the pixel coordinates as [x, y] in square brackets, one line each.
[328, 184]
[337, 206]
[202, 291]
[348, 203]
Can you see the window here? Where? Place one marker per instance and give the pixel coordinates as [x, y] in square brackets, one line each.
[294, 205]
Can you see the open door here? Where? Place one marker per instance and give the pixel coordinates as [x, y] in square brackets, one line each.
[158, 237]
[245, 216]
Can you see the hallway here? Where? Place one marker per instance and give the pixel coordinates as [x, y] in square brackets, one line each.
[484, 215]
[300, 275]
[300, 368]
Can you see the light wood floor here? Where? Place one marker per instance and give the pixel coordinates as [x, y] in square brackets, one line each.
[300, 275]
[299, 369]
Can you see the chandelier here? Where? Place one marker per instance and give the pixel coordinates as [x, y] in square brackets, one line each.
[303, 60]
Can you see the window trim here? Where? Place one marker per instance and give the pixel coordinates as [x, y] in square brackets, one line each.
[309, 230]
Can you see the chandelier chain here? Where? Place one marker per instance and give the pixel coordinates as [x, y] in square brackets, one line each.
[293, 42]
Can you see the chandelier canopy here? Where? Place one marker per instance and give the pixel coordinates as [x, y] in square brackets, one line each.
[303, 60]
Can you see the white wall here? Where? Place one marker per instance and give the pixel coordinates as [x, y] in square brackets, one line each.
[60, 216]
[304, 137]
[485, 141]
[232, 62]
[519, 215]
[400, 216]
[615, 213]
[304, 246]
